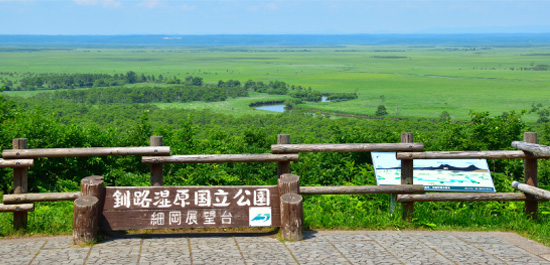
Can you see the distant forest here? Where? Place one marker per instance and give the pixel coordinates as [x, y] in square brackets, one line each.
[279, 40]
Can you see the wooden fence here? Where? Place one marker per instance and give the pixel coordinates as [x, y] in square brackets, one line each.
[284, 153]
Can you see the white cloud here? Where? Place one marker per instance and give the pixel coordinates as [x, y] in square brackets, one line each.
[86, 2]
[149, 3]
[105, 3]
[112, 3]
[188, 7]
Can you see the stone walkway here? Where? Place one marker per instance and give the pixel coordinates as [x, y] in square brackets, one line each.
[320, 247]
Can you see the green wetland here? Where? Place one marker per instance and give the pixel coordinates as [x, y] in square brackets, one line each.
[452, 97]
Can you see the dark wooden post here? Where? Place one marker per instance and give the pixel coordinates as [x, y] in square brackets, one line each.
[283, 167]
[530, 171]
[20, 185]
[407, 177]
[94, 186]
[289, 183]
[156, 169]
[85, 222]
[292, 218]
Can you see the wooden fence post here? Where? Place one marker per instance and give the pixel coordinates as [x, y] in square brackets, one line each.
[292, 217]
[156, 169]
[407, 177]
[85, 223]
[20, 185]
[94, 186]
[283, 167]
[530, 171]
[289, 183]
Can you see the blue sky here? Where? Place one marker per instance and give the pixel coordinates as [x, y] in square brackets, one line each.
[112, 17]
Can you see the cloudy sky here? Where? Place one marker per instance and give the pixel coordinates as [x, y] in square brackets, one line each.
[111, 17]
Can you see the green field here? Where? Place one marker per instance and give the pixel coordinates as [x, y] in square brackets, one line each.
[410, 81]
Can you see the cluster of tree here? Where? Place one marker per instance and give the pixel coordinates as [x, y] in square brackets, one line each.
[544, 113]
[129, 95]
[72, 81]
[342, 96]
[272, 88]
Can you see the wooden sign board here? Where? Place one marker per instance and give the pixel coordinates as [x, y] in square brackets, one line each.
[190, 207]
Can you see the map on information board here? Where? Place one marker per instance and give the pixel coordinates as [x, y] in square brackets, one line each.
[470, 175]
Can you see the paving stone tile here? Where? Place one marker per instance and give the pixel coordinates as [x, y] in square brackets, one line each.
[252, 239]
[313, 236]
[164, 255]
[69, 255]
[213, 251]
[106, 254]
[365, 252]
[316, 253]
[266, 253]
[212, 240]
[412, 251]
[336, 238]
[457, 250]
[511, 254]
[473, 239]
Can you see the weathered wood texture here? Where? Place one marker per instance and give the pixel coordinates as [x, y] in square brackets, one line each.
[530, 170]
[40, 197]
[461, 197]
[90, 151]
[16, 163]
[187, 207]
[85, 222]
[237, 158]
[361, 189]
[531, 190]
[289, 183]
[20, 184]
[532, 147]
[292, 218]
[467, 155]
[407, 177]
[28, 207]
[283, 167]
[157, 174]
[94, 186]
[382, 147]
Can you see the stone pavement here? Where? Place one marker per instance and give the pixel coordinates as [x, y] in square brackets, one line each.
[320, 247]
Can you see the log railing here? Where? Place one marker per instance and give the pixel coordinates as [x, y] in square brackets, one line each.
[283, 153]
[20, 158]
[530, 152]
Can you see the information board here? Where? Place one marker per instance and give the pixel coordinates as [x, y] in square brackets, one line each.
[470, 175]
[190, 207]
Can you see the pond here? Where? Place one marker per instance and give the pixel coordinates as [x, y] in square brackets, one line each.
[280, 107]
[276, 108]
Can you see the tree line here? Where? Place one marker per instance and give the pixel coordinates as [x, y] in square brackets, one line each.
[52, 81]
[146, 94]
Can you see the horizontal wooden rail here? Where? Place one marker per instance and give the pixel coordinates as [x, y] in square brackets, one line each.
[40, 197]
[383, 147]
[28, 207]
[16, 163]
[532, 190]
[361, 189]
[247, 158]
[467, 154]
[534, 148]
[502, 196]
[90, 151]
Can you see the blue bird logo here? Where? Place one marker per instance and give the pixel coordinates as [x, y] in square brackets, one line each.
[262, 217]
